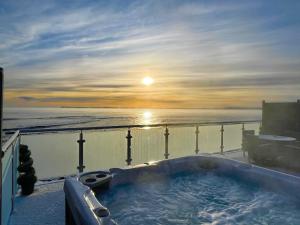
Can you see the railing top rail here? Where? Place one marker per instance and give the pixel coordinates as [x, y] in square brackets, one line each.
[51, 130]
[10, 142]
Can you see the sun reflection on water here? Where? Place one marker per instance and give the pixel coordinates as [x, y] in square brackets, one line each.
[147, 117]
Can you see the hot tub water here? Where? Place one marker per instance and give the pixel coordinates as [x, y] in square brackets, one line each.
[198, 198]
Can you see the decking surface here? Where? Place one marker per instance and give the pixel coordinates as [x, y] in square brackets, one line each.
[45, 206]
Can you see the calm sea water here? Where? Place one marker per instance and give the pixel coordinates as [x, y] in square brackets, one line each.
[56, 154]
[77, 117]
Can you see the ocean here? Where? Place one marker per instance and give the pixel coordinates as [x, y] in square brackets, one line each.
[82, 117]
[56, 154]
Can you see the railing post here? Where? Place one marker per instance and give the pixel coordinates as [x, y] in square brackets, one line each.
[80, 143]
[1, 111]
[260, 127]
[197, 139]
[243, 129]
[128, 137]
[222, 139]
[167, 143]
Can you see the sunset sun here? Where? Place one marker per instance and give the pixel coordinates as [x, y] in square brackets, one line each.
[147, 81]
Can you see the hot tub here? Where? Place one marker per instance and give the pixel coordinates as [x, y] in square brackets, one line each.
[188, 190]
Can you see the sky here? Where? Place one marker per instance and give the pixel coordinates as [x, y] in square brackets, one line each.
[200, 54]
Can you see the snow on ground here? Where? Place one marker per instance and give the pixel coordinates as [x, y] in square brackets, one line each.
[45, 206]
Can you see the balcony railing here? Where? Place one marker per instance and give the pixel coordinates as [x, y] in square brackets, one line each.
[10, 162]
[61, 151]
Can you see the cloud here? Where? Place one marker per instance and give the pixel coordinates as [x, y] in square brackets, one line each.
[87, 46]
[255, 81]
[57, 99]
[28, 98]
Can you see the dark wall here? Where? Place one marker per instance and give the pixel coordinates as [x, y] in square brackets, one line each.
[281, 118]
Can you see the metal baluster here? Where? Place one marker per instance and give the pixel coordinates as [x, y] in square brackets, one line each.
[197, 139]
[167, 143]
[222, 139]
[128, 137]
[243, 129]
[80, 143]
[260, 127]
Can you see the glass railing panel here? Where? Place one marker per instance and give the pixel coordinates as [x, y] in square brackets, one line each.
[54, 154]
[104, 149]
[209, 139]
[181, 141]
[7, 190]
[232, 137]
[147, 144]
[6, 160]
[9, 175]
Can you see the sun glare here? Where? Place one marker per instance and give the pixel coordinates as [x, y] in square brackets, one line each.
[148, 81]
[147, 115]
[147, 118]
